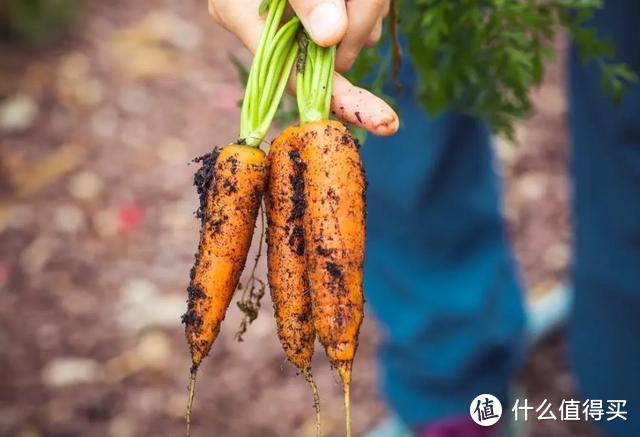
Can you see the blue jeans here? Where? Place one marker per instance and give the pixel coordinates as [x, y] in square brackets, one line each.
[605, 324]
[439, 273]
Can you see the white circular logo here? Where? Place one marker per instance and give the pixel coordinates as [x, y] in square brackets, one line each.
[485, 409]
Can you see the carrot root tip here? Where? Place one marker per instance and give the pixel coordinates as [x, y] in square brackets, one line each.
[192, 391]
[316, 398]
[347, 407]
[344, 370]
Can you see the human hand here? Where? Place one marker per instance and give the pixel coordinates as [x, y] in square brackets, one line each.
[354, 24]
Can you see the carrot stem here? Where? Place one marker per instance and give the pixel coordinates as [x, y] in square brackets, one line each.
[263, 127]
[280, 59]
[268, 75]
[271, 28]
[315, 81]
[328, 81]
[250, 98]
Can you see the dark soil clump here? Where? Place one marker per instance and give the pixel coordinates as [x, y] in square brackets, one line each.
[203, 177]
[299, 202]
[333, 269]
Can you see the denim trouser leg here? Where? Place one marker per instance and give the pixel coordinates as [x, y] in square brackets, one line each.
[438, 271]
[605, 324]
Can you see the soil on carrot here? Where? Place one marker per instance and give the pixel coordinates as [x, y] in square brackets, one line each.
[299, 202]
[202, 178]
[97, 232]
[333, 269]
[296, 240]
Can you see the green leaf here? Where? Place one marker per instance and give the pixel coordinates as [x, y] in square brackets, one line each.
[483, 57]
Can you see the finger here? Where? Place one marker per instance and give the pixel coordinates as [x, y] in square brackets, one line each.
[363, 16]
[358, 106]
[213, 12]
[362, 108]
[246, 29]
[375, 35]
[325, 20]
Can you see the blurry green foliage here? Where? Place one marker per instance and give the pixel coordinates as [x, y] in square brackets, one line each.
[36, 20]
[483, 56]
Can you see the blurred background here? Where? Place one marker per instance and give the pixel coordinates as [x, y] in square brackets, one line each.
[102, 107]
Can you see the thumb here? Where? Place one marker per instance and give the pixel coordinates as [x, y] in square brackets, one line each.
[325, 20]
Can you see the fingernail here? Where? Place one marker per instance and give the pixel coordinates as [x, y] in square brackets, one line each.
[323, 21]
[387, 125]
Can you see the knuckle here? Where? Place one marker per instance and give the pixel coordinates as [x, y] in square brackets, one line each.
[346, 61]
[374, 37]
[372, 41]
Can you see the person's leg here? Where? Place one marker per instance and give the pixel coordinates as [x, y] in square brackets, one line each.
[605, 323]
[438, 270]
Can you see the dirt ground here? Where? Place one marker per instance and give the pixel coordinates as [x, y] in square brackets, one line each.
[97, 236]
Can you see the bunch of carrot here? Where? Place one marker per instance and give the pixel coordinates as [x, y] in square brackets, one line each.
[314, 191]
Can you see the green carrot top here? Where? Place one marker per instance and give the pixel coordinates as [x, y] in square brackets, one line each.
[270, 69]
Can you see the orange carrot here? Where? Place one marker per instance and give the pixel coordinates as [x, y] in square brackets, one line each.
[231, 183]
[233, 201]
[233, 195]
[334, 234]
[334, 218]
[287, 274]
